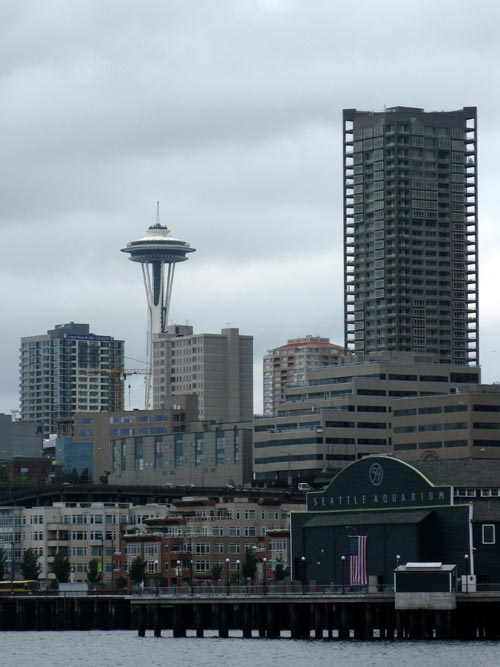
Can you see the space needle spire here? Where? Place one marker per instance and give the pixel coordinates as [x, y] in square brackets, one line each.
[158, 253]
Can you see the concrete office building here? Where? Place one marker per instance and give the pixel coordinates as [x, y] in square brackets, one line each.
[19, 439]
[461, 425]
[158, 447]
[67, 370]
[289, 364]
[410, 232]
[345, 413]
[217, 368]
[93, 435]
[204, 454]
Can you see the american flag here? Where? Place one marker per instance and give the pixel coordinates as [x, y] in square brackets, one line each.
[357, 560]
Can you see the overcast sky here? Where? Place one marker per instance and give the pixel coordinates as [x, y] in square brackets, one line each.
[228, 112]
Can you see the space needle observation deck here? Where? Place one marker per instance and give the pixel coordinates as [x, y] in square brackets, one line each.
[157, 253]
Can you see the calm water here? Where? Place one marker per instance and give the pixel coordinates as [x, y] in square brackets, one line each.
[125, 649]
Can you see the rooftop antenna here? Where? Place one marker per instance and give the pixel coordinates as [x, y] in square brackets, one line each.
[157, 213]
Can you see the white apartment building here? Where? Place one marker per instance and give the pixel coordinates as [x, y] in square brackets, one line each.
[217, 368]
[85, 530]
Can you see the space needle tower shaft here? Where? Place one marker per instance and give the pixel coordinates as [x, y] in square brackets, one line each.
[158, 253]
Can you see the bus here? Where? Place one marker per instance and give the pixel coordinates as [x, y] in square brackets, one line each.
[27, 586]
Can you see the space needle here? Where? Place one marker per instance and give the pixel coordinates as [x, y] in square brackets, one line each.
[158, 253]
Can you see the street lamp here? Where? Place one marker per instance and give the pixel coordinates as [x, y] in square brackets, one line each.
[191, 575]
[238, 567]
[303, 573]
[178, 572]
[466, 556]
[157, 583]
[398, 558]
[342, 558]
[264, 569]
[227, 577]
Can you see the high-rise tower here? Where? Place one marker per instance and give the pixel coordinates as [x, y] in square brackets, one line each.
[156, 252]
[410, 232]
[67, 370]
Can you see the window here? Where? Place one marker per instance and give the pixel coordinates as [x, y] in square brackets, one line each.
[202, 549]
[488, 533]
[151, 549]
[202, 566]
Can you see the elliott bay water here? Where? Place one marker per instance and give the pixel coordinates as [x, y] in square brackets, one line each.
[126, 649]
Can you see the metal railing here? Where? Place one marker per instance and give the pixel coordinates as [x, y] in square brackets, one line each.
[272, 589]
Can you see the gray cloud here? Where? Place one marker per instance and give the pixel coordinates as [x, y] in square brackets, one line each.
[230, 114]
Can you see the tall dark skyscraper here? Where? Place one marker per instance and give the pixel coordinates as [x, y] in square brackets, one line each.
[410, 232]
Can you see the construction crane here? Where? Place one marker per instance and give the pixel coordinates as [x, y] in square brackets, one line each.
[120, 375]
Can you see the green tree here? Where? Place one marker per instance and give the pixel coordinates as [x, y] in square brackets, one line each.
[30, 567]
[62, 566]
[4, 475]
[217, 572]
[280, 571]
[249, 566]
[121, 582]
[3, 563]
[94, 571]
[137, 570]
[72, 477]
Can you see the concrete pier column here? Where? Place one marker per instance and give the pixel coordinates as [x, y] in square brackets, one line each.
[415, 624]
[318, 621]
[141, 621]
[400, 625]
[260, 611]
[344, 622]
[299, 621]
[247, 621]
[368, 624]
[329, 620]
[179, 626]
[223, 621]
[157, 621]
[20, 615]
[272, 614]
[198, 620]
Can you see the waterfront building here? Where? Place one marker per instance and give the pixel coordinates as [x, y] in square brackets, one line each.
[203, 533]
[345, 412]
[396, 513]
[158, 254]
[68, 370]
[410, 232]
[217, 368]
[85, 531]
[289, 364]
[10, 540]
